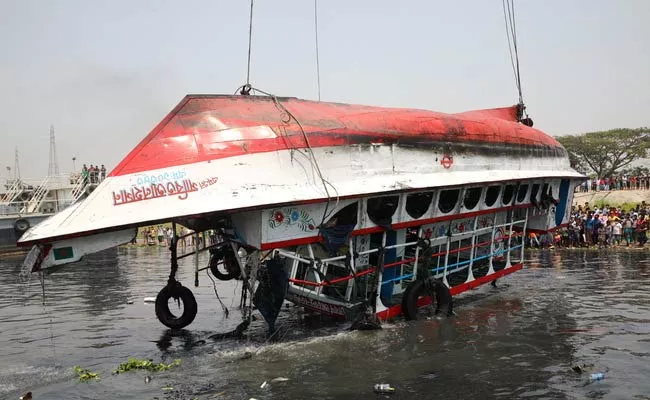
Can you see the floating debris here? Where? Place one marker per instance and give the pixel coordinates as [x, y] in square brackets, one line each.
[26, 396]
[384, 388]
[580, 368]
[263, 385]
[134, 363]
[85, 374]
[129, 302]
[599, 376]
[147, 379]
[279, 379]
[149, 299]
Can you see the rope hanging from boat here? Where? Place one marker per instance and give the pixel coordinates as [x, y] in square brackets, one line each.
[317, 58]
[511, 34]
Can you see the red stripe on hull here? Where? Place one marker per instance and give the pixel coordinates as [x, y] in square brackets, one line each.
[396, 310]
[209, 127]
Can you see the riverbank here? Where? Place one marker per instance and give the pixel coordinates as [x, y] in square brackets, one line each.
[622, 198]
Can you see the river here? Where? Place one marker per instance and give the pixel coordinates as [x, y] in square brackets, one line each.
[519, 340]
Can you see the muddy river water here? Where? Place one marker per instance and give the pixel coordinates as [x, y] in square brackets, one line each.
[519, 340]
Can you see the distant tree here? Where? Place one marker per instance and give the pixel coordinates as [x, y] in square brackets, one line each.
[606, 152]
[636, 171]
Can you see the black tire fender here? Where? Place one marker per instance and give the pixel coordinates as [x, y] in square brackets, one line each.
[181, 293]
[21, 225]
[227, 256]
[428, 287]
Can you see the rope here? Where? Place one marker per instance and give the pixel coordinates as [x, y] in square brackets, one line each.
[312, 158]
[214, 285]
[317, 59]
[511, 34]
[250, 38]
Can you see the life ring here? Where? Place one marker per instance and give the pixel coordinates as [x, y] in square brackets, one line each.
[430, 287]
[226, 257]
[21, 225]
[181, 294]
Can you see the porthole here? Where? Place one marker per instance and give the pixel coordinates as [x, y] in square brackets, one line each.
[381, 209]
[521, 193]
[508, 194]
[448, 200]
[472, 197]
[418, 203]
[491, 195]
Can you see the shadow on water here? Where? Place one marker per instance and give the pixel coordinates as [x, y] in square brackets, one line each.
[518, 340]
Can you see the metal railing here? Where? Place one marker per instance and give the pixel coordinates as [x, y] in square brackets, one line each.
[37, 198]
[12, 194]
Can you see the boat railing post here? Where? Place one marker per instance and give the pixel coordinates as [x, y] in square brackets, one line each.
[472, 253]
[444, 272]
[352, 268]
[510, 233]
[523, 238]
[417, 255]
[493, 247]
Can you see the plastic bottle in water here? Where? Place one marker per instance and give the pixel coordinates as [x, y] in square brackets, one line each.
[384, 388]
[597, 376]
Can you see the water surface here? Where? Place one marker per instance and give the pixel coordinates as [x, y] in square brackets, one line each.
[517, 341]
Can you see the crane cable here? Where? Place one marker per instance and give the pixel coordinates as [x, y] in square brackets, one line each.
[246, 89]
[511, 34]
[317, 58]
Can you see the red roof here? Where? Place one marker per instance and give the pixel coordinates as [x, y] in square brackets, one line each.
[208, 127]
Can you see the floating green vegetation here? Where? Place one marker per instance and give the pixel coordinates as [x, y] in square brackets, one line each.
[134, 363]
[85, 374]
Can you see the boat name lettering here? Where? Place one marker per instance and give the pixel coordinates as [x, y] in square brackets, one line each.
[154, 191]
[315, 304]
[164, 177]
[208, 182]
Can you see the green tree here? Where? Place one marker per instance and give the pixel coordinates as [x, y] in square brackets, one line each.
[606, 152]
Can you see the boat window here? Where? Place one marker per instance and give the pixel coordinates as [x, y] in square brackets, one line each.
[521, 193]
[381, 209]
[491, 195]
[448, 200]
[534, 191]
[548, 189]
[472, 197]
[418, 203]
[508, 193]
[345, 216]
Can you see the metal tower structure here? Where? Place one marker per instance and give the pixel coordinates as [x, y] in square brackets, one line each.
[54, 163]
[16, 166]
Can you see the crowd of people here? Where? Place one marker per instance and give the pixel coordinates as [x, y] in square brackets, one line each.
[93, 174]
[623, 182]
[162, 236]
[599, 226]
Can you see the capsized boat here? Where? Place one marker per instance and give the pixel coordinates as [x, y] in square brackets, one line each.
[344, 209]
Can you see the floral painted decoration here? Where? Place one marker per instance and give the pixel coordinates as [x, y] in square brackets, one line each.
[292, 217]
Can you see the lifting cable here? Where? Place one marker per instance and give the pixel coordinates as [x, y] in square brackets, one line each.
[246, 88]
[511, 34]
[317, 58]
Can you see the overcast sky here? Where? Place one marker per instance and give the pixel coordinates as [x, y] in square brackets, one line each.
[105, 72]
